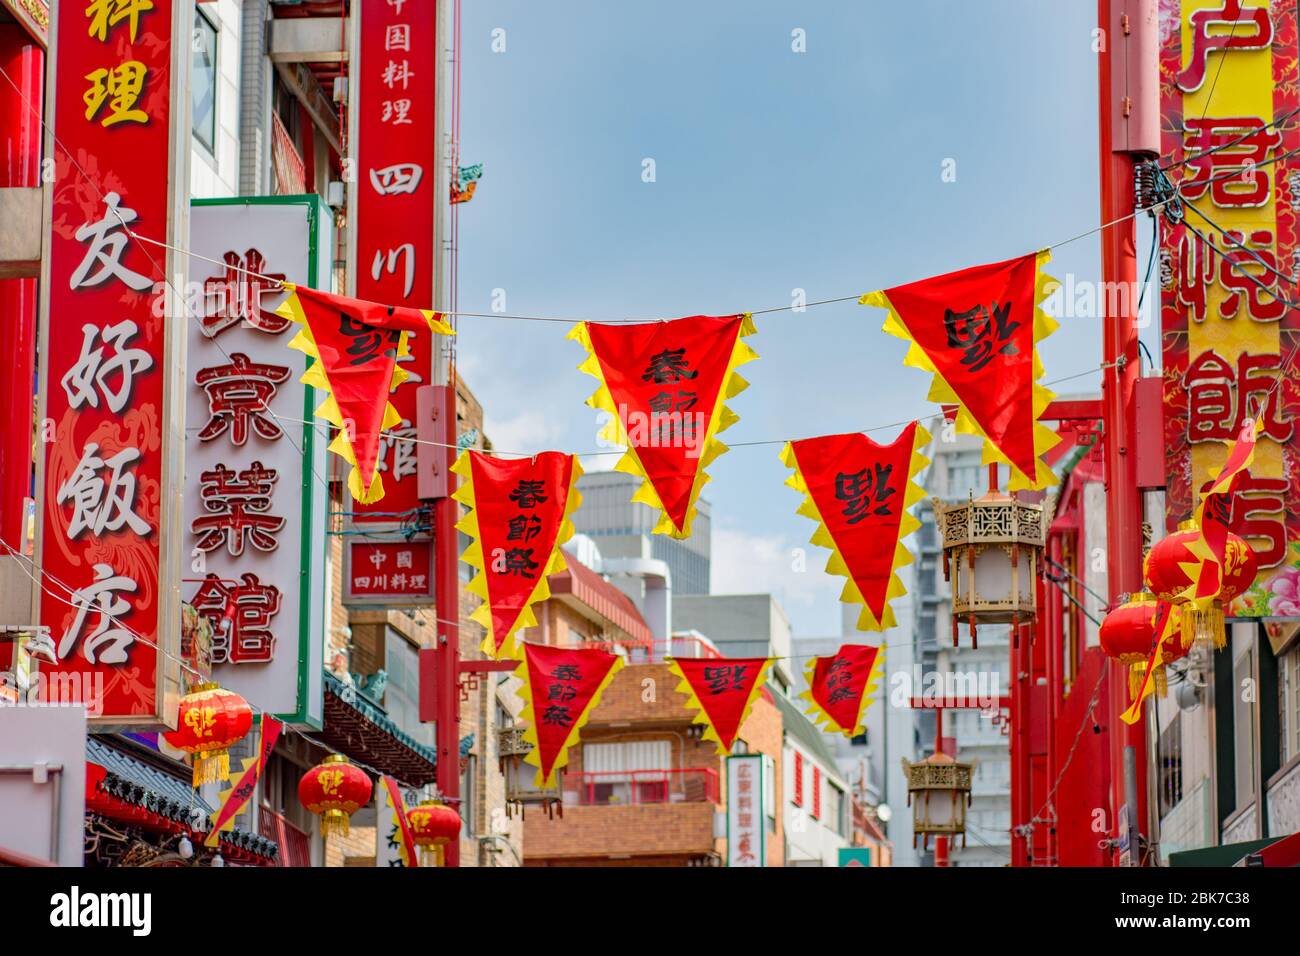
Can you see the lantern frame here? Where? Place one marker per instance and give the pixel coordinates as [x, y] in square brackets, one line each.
[938, 773]
[520, 777]
[1003, 535]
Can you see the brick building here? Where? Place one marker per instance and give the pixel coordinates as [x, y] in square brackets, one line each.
[641, 788]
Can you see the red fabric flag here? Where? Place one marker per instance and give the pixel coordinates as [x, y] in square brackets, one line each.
[237, 797]
[839, 687]
[723, 691]
[356, 345]
[521, 515]
[409, 857]
[977, 330]
[664, 386]
[561, 687]
[858, 492]
[1213, 517]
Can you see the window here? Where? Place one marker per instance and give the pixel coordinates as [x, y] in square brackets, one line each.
[468, 797]
[817, 793]
[1246, 749]
[797, 798]
[632, 772]
[203, 82]
[1170, 756]
[1288, 696]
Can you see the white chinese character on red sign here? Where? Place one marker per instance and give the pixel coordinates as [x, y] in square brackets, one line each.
[236, 509]
[396, 73]
[107, 643]
[381, 265]
[401, 442]
[394, 111]
[93, 374]
[107, 244]
[102, 502]
[397, 178]
[398, 37]
[239, 397]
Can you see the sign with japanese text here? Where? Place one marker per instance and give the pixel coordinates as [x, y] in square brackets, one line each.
[395, 198]
[1225, 333]
[112, 358]
[255, 495]
[840, 687]
[746, 813]
[391, 573]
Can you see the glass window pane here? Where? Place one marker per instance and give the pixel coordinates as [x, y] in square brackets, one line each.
[203, 89]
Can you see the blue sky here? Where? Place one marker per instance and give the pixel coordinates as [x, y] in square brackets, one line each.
[775, 170]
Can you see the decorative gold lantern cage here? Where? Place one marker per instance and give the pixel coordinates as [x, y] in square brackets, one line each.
[938, 791]
[992, 547]
[521, 786]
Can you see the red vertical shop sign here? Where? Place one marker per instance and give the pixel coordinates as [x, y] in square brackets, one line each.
[394, 183]
[113, 359]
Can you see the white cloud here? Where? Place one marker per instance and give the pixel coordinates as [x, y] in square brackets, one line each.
[745, 563]
[529, 432]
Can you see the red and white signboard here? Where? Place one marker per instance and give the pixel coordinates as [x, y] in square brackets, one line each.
[112, 362]
[747, 810]
[388, 573]
[396, 173]
[255, 495]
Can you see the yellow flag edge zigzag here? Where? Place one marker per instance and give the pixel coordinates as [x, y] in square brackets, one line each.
[615, 432]
[529, 715]
[315, 376]
[702, 716]
[867, 620]
[941, 392]
[474, 557]
[824, 721]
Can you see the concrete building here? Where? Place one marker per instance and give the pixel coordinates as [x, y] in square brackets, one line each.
[741, 625]
[623, 529]
[815, 796]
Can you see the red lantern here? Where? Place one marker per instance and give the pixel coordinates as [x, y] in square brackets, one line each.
[211, 720]
[433, 825]
[1169, 567]
[335, 790]
[1127, 634]
[1171, 650]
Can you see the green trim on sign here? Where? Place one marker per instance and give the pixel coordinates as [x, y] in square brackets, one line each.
[315, 207]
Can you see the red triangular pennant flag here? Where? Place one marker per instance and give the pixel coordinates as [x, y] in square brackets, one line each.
[859, 492]
[977, 330]
[723, 690]
[356, 345]
[839, 687]
[561, 687]
[664, 385]
[520, 517]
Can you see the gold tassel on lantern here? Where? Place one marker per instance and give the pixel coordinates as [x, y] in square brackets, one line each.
[211, 766]
[1204, 625]
[1137, 674]
[335, 823]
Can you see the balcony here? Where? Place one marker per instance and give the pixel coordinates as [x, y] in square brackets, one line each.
[614, 788]
[295, 845]
[635, 818]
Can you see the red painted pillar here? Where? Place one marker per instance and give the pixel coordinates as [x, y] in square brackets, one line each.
[447, 596]
[20, 156]
[1120, 344]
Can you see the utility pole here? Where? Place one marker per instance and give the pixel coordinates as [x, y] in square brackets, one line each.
[1128, 120]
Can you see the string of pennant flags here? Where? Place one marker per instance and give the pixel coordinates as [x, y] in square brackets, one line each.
[665, 385]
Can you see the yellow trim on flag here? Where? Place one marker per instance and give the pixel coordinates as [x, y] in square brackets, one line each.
[702, 716]
[823, 720]
[474, 557]
[942, 393]
[614, 431]
[529, 715]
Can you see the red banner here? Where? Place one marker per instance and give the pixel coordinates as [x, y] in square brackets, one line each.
[858, 491]
[357, 345]
[520, 516]
[977, 330]
[110, 474]
[723, 691]
[839, 687]
[395, 202]
[237, 797]
[562, 686]
[664, 386]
